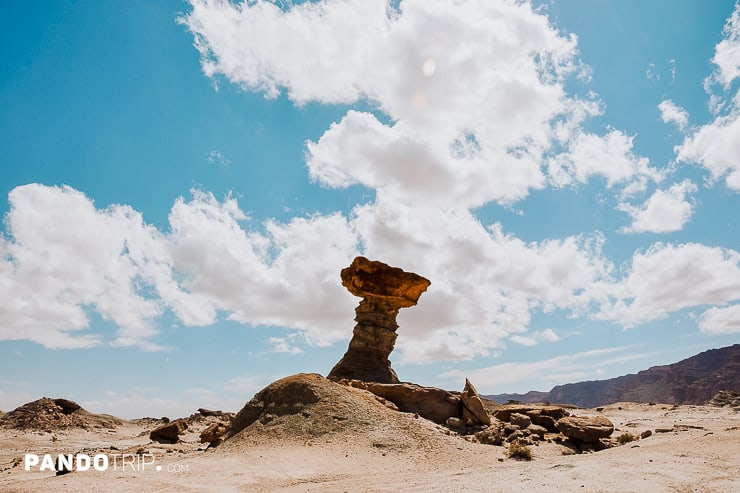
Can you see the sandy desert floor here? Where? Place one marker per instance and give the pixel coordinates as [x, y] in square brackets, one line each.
[692, 449]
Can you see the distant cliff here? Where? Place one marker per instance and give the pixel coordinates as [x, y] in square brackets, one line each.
[694, 380]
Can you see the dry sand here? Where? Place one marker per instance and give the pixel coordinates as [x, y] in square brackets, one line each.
[700, 453]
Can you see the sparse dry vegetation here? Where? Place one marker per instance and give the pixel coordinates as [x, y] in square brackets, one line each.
[519, 451]
[626, 438]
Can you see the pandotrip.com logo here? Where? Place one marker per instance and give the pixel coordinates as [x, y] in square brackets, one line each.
[63, 463]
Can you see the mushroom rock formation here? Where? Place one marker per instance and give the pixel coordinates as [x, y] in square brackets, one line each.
[384, 290]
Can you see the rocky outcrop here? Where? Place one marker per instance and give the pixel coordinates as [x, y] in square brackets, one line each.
[384, 291]
[545, 416]
[585, 429]
[473, 412]
[52, 414]
[524, 424]
[170, 432]
[725, 398]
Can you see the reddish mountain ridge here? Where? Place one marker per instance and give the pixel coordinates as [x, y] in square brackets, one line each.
[694, 380]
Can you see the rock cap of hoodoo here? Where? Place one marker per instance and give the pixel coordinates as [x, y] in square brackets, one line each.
[371, 278]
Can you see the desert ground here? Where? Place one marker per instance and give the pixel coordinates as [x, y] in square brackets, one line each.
[691, 449]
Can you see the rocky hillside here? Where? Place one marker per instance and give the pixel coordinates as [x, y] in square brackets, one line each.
[694, 380]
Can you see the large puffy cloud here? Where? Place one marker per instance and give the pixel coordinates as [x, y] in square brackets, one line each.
[66, 258]
[469, 102]
[485, 283]
[716, 145]
[262, 279]
[473, 93]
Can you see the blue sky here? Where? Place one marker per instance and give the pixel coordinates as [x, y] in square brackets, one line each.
[183, 181]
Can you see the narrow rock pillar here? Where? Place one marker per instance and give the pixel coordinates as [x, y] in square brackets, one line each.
[384, 290]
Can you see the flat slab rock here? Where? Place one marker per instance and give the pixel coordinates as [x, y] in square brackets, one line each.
[431, 403]
[585, 429]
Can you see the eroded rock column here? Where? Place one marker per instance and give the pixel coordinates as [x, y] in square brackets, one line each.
[384, 290]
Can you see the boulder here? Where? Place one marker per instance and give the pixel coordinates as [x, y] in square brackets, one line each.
[384, 290]
[537, 430]
[170, 432]
[493, 435]
[585, 429]
[207, 412]
[473, 412]
[431, 403]
[544, 420]
[520, 420]
[214, 434]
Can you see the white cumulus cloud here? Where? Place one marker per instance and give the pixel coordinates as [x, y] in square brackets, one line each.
[666, 278]
[665, 211]
[472, 92]
[672, 113]
[727, 52]
[716, 145]
[609, 156]
[721, 320]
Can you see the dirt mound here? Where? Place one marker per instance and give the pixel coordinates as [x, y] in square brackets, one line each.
[55, 414]
[307, 408]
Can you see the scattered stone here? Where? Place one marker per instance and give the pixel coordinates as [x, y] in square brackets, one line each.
[646, 434]
[169, 432]
[384, 291]
[585, 429]
[663, 430]
[453, 422]
[473, 412]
